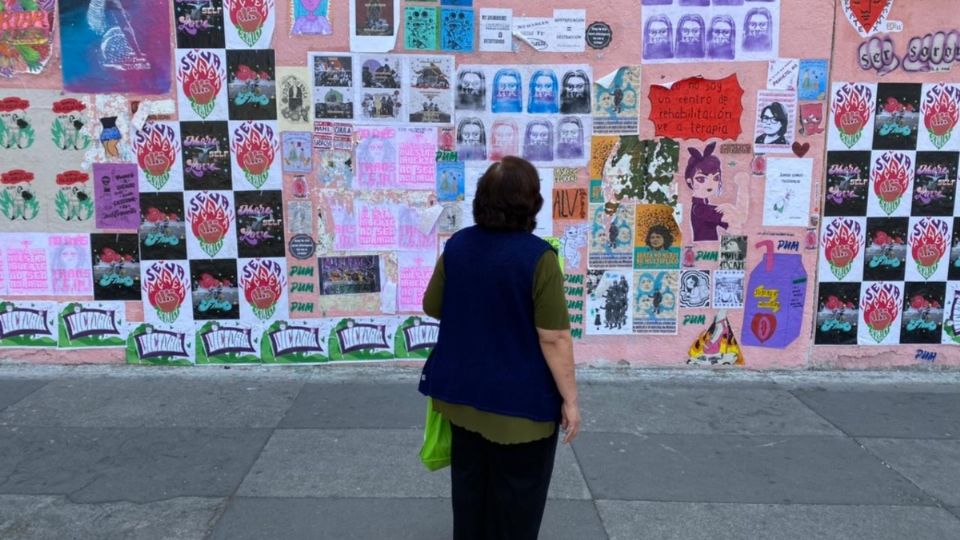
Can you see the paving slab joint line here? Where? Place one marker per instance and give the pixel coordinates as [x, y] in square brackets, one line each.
[593, 500]
[233, 495]
[35, 390]
[937, 502]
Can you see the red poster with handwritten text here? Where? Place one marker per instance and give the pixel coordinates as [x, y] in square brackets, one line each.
[697, 108]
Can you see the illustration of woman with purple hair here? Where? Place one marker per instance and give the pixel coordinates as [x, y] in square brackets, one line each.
[704, 177]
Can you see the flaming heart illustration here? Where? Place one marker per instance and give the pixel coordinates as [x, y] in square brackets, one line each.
[881, 307]
[157, 148]
[210, 217]
[249, 16]
[891, 177]
[842, 239]
[262, 281]
[851, 109]
[255, 146]
[201, 75]
[166, 286]
[941, 112]
[928, 243]
[867, 16]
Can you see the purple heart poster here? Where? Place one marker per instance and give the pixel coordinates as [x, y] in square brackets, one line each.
[117, 195]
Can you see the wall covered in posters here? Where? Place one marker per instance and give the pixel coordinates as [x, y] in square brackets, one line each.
[728, 182]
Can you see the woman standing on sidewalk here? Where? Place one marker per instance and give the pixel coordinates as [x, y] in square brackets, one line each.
[502, 371]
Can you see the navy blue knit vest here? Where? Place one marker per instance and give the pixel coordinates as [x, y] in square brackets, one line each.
[488, 352]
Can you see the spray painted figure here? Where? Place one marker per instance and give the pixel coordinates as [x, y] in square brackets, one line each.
[658, 38]
[721, 37]
[507, 85]
[690, 31]
[538, 141]
[543, 92]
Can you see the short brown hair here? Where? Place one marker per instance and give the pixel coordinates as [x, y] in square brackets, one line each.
[508, 196]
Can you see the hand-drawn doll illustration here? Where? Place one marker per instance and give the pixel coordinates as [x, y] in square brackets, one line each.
[704, 176]
[308, 20]
[773, 119]
[658, 38]
[690, 33]
[471, 140]
[543, 92]
[757, 28]
[811, 116]
[570, 138]
[538, 141]
[721, 37]
[575, 94]
[504, 139]
[695, 289]
[293, 105]
[471, 90]
[507, 85]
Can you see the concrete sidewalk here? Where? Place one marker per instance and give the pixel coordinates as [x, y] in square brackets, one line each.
[123, 452]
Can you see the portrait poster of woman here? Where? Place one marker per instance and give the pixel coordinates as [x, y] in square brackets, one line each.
[657, 238]
[776, 121]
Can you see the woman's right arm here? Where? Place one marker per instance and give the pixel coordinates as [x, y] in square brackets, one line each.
[433, 296]
[557, 346]
[553, 329]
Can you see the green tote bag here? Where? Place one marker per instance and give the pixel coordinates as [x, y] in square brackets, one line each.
[437, 440]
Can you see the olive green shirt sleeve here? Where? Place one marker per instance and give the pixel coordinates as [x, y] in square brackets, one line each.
[549, 301]
[433, 296]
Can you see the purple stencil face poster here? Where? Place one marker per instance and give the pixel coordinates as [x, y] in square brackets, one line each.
[117, 195]
[774, 301]
[116, 46]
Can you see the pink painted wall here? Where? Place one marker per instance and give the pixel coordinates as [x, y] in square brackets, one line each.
[809, 29]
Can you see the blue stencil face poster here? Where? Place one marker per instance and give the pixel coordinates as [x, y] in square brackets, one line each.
[116, 46]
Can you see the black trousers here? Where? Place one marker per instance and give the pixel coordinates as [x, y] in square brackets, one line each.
[499, 490]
